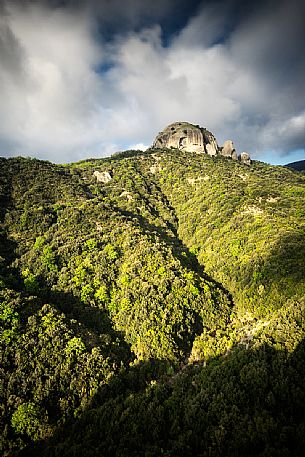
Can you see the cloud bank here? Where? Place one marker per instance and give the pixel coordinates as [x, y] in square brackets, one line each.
[88, 80]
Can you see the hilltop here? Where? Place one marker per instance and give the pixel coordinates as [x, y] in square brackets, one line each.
[299, 166]
[193, 138]
[152, 304]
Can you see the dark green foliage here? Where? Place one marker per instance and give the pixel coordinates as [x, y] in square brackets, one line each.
[250, 403]
[160, 313]
[299, 166]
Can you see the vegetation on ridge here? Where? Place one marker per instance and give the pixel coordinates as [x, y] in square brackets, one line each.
[160, 313]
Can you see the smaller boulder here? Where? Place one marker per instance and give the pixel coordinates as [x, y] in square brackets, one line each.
[245, 158]
[228, 150]
[234, 155]
[103, 176]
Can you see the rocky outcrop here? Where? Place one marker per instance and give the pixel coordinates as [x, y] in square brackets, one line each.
[102, 176]
[228, 149]
[187, 137]
[193, 138]
[245, 158]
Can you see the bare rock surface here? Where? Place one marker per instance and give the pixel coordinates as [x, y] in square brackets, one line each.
[228, 149]
[102, 176]
[193, 138]
[245, 158]
[187, 137]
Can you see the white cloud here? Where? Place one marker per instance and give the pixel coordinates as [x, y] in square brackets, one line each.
[139, 147]
[56, 105]
[52, 108]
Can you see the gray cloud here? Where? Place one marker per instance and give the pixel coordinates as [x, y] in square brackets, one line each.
[11, 52]
[67, 92]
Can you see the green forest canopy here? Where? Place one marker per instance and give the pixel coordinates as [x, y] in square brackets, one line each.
[158, 313]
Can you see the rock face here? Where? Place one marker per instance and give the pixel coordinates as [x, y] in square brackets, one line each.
[187, 137]
[103, 176]
[192, 138]
[245, 158]
[228, 149]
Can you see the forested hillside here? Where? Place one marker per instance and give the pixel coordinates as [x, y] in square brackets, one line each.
[157, 312]
[299, 166]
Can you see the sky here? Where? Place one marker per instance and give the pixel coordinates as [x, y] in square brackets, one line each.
[83, 79]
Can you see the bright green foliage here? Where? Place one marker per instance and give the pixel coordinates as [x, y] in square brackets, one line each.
[75, 346]
[236, 219]
[7, 314]
[110, 252]
[9, 321]
[30, 281]
[48, 258]
[39, 243]
[91, 244]
[26, 420]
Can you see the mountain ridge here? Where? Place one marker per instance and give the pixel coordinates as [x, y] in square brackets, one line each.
[298, 166]
[177, 267]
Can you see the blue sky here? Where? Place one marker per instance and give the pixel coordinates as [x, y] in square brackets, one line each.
[83, 79]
